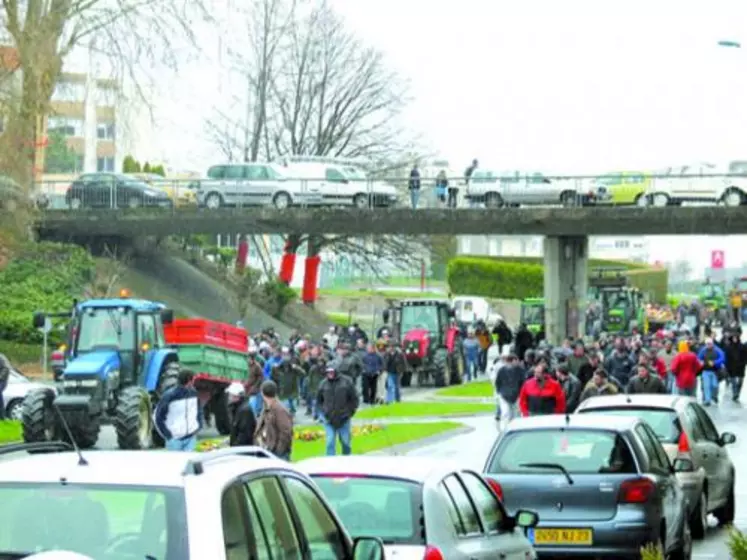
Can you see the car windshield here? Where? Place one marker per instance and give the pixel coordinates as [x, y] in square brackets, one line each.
[533, 314]
[109, 327]
[354, 174]
[419, 317]
[664, 421]
[387, 508]
[578, 451]
[103, 522]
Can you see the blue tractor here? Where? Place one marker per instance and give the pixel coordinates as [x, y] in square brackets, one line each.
[117, 365]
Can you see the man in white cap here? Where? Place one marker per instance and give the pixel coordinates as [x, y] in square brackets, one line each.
[244, 422]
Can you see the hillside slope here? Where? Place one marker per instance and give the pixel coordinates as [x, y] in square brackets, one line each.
[191, 292]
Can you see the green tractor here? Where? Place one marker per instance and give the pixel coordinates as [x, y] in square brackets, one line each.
[533, 315]
[712, 296]
[623, 307]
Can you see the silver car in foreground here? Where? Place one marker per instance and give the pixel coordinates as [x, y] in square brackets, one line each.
[422, 509]
[685, 431]
[602, 485]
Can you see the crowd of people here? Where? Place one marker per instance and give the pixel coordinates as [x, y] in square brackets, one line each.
[329, 379]
[545, 380]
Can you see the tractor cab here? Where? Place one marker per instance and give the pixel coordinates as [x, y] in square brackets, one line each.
[428, 337]
[533, 314]
[620, 303]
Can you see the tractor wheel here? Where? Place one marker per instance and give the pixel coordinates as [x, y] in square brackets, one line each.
[38, 417]
[168, 379]
[456, 367]
[86, 435]
[132, 419]
[223, 418]
[440, 367]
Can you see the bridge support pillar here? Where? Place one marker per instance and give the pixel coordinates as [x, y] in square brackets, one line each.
[566, 284]
[311, 270]
[288, 261]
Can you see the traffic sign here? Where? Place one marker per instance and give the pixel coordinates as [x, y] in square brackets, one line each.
[717, 259]
[47, 328]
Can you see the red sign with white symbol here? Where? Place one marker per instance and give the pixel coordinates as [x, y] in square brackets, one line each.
[717, 259]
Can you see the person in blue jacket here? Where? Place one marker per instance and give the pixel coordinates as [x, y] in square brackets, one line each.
[713, 360]
[275, 360]
[178, 415]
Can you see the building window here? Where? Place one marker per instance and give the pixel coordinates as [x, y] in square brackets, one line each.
[69, 92]
[105, 164]
[65, 126]
[105, 131]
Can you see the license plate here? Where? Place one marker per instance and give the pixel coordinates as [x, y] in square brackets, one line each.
[572, 537]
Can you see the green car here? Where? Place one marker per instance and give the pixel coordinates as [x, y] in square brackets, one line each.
[533, 314]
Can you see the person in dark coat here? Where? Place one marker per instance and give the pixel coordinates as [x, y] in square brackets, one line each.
[735, 352]
[646, 382]
[373, 366]
[508, 382]
[599, 385]
[571, 387]
[587, 369]
[523, 341]
[503, 335]
[620, 364]
[338, 402]
[244, 422]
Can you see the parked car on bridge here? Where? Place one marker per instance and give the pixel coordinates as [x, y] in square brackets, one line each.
[180, 192]
[255, 184]
[696, 183]
[495, 191]
[113, 190]
[625, 187]
[342, 181]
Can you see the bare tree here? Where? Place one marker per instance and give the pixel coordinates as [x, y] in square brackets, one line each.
[335, 96]
[246, 137]
[107, 275]
[132, 34]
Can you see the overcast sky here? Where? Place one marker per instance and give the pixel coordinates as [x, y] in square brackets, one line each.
[564, 86]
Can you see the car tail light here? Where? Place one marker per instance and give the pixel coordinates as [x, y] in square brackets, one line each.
[496, 487]
[683, 445]
[636, 491]
[432, 553]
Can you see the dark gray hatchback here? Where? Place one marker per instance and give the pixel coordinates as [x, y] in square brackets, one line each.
[602, 485]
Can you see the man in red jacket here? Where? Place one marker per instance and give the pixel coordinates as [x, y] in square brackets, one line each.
[541, 394]
[685, 368]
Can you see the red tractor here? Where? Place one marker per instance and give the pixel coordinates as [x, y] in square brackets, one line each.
[430, 339]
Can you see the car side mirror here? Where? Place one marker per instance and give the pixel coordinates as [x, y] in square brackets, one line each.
[368, 548]
[385, 315]
[682, 465]
[167, 316]
[727, 438]
[526, 519]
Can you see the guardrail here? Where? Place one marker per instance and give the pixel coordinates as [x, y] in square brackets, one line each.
[491, 192]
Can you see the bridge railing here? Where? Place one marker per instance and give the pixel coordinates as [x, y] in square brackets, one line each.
[481, 191]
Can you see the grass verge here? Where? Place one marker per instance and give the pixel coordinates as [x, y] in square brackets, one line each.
[11, 431]
[343, 319]
[475, 390]
[309, 441]
[348, 293]
[423, 409]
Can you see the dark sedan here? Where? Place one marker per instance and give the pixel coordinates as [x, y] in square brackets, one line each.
[113, 190]
[602, 485]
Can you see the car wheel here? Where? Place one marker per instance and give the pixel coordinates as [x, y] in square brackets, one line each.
[360, 201]
[493, 200]
[213, 201]
[660, 200]
[281, 201]
[732, 197]
[699, 517]
[569, 199]
[76, 204]
[14, 410]
[725, 514]
[134, 202]
[642, 201]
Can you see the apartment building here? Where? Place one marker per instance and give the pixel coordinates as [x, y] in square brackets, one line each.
[83, 110]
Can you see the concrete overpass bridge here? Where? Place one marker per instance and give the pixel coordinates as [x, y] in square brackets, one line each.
[566, 232]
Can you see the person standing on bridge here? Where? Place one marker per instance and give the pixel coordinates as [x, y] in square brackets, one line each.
[414, 186]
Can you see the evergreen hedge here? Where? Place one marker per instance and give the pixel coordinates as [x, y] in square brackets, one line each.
[523, 277]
